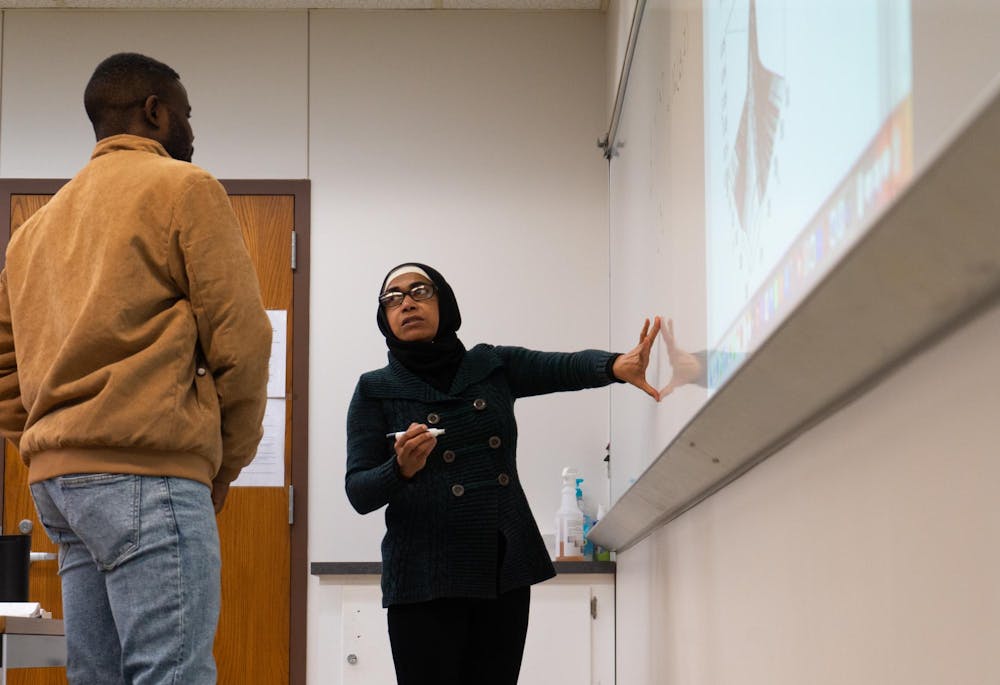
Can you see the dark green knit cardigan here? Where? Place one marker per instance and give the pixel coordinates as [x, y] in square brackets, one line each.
[442, 525]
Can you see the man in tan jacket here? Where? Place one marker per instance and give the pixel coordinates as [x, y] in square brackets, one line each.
[133, 371]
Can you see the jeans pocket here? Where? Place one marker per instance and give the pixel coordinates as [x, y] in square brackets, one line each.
[103, 511]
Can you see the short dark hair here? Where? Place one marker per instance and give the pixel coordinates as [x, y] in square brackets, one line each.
[122, 81]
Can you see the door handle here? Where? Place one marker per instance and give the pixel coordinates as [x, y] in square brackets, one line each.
[24, 527]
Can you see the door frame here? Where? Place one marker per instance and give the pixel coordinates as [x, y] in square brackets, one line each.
[299, 507]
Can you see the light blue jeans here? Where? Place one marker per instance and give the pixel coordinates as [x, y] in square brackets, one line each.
[140, 568]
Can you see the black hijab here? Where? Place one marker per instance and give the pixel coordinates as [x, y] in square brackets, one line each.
[435, 362]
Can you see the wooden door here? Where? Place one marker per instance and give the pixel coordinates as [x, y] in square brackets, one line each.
[256, 630]
[17, 506]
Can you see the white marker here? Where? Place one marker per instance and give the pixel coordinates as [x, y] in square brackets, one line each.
[433, 431]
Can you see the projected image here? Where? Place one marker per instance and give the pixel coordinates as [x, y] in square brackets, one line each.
[751, 163]
[807, 137]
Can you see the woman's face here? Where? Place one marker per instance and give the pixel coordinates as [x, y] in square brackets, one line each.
[413, 320]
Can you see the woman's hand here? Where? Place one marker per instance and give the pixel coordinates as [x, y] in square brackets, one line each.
[631, 366]
[412, 449]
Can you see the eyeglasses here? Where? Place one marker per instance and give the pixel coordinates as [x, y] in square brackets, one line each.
[419, 292]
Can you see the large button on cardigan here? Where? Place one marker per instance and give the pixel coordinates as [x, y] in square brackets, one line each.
[442, 525]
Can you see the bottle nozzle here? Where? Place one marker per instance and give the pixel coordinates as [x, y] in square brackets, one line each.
[568, 474]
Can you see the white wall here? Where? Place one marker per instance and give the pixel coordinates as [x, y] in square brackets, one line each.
[466, 140]
[864, 552]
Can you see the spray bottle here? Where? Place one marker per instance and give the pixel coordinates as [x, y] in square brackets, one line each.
[588, 547]
[569, 521]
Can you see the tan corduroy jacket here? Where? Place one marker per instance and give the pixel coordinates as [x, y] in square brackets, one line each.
[132, 334]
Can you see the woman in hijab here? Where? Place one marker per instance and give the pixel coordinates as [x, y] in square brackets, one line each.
[461, 548]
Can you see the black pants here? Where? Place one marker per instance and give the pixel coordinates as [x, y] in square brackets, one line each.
[460, 641]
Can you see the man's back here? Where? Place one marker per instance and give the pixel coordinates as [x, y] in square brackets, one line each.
[133, 373]
[110, 285]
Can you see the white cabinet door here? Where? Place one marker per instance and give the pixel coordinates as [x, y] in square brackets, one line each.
[365, 638]
[558, 648]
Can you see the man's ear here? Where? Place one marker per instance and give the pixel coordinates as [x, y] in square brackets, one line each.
[152, 111]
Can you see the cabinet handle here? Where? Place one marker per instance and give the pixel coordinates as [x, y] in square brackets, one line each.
[352, 659]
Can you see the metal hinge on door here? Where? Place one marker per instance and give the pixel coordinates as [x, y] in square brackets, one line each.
[291, 504]
[294, 250]
[593, 607]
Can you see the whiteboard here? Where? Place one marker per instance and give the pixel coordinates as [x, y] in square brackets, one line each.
[758, 141]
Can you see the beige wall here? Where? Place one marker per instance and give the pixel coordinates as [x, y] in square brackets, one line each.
[246, 74]
[466, 140]
[480, 161]
[618, 23]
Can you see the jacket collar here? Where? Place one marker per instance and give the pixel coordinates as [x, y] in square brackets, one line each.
[126, 141]
[400, 383]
